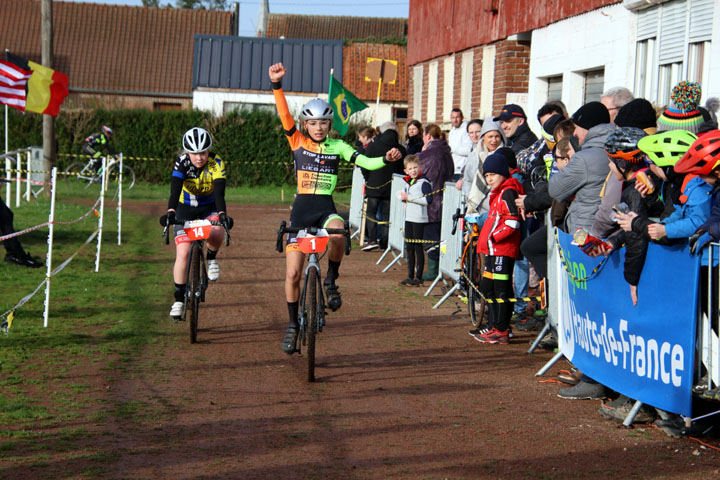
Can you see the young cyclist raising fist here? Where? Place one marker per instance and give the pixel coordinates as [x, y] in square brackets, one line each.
[317, 159]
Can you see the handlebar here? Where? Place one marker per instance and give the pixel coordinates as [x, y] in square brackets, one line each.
[166, 230]
[313, 230]
[455, 218]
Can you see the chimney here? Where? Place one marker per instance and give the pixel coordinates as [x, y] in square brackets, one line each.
[263, 18]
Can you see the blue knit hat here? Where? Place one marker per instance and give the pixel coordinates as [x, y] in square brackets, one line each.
[496, 163]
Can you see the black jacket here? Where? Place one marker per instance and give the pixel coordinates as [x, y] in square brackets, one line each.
[522, 139]
[415, 144]
[377, 182]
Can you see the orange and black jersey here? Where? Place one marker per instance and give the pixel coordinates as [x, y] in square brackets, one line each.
[316, 164]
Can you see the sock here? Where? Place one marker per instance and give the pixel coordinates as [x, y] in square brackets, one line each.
[179, 292]
[211, 254]
[293, 312]
[332, 273]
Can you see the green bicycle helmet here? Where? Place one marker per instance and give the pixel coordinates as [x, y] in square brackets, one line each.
[666, 148]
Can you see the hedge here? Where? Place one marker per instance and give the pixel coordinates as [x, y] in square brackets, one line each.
[251, 142]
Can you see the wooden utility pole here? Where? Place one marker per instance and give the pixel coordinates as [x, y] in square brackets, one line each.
[49, 152]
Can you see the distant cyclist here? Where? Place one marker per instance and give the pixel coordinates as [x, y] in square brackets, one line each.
[98, 145]
[197, 191]
[317, 159]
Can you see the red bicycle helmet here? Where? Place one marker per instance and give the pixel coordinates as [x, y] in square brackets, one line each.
[702, 156]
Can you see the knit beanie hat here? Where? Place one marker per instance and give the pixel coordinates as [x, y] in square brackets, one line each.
[548, 128]
[591, 115]
[496, 162]
[638, 113]
[683, 113]
[490, 125]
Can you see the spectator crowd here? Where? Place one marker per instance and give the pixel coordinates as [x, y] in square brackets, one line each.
[618, 173]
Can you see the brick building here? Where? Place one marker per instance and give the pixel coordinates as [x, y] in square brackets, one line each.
[116, 56]
[482, 55]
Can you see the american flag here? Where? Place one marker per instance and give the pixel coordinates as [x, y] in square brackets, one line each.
[13, 81]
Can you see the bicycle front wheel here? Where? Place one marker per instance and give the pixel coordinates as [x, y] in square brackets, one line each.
[194, 290]
[79, 174]
[311, 303]
[128, 176]
[473, 271]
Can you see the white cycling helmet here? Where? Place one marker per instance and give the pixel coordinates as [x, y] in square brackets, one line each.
[106, 130]
[196, 140]
[317, 109]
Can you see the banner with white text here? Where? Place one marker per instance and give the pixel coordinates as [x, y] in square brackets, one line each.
[644, 351]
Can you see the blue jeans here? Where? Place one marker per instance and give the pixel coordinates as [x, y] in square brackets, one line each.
[521, 281]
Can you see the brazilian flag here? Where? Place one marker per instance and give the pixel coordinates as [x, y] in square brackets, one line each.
[344, 104]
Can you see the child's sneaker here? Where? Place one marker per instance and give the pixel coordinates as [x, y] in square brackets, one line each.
[408, 282]
[494, 336]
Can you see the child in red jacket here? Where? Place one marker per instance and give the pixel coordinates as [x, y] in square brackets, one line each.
[500, 242]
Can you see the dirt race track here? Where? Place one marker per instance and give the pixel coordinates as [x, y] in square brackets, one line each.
[402, 391]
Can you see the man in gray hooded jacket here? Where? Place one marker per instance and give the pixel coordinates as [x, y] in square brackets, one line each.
[584, 176]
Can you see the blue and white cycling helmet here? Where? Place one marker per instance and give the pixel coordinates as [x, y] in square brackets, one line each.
[196, 140]
[317, 109]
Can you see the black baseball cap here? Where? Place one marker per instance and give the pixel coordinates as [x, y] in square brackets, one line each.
[509, 112]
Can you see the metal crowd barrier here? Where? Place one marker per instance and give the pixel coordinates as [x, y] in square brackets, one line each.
[396, 237]
[33, 175]
[708, 344]
[355, 216]
[450, 245]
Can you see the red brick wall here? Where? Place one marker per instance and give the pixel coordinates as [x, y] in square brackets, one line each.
[511, 75]
[512, 70]
[354, 62]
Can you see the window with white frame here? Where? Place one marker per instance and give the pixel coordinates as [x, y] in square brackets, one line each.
[594, 83]
[673, 44]
[417, 91]
[554, 88]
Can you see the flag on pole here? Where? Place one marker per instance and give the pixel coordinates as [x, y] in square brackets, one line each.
[344, 104]
[13, 81]
[46, 88]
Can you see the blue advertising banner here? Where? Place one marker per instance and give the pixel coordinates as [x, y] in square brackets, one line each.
[645, 351]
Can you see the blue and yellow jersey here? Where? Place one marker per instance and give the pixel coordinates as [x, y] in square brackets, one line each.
[198, 186]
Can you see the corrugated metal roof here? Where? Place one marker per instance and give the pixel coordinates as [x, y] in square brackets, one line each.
[340, 27]
[111, 47]
[243, 62]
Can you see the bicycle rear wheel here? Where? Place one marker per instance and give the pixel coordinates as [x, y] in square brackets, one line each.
[311, 303]
[128, 175]
[476, 303]
[194, 290]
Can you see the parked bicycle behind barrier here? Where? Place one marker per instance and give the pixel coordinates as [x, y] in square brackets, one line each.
[470, 266]
[311, 314]
[197, 231]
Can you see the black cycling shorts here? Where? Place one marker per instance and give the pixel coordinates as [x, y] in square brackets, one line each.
[310, 211]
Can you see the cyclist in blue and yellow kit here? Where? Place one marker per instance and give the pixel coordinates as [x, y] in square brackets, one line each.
[197, 191]
[317, 159]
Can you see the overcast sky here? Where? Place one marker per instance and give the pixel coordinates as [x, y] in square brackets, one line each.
[249, 9]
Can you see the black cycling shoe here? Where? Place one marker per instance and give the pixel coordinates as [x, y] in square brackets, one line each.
[23, 259]
[332, 294]
[288, 343]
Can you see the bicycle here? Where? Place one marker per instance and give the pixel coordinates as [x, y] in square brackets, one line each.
[91, 172]
[311, 315]
[197, 280]
[471, 266]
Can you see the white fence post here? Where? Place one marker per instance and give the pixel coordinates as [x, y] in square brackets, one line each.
[18, 178]
[48, 260]
[28, 186]
[120, 194]
[102, 211]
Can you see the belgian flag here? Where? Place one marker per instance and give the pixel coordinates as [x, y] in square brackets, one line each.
[46, 88]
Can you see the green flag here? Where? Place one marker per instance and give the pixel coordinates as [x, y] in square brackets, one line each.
[344, 103]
